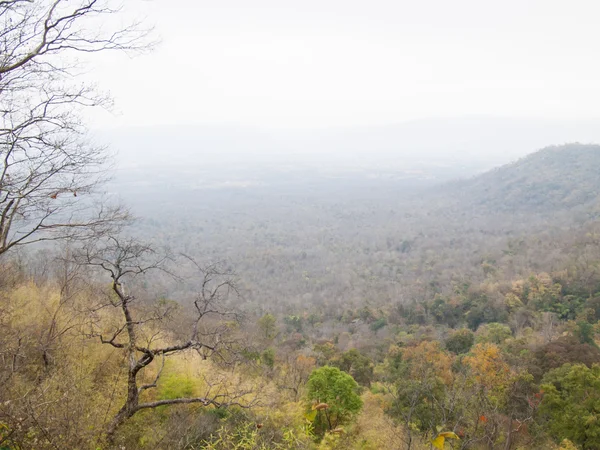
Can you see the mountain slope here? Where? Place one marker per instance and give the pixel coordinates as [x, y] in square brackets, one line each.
[554, 178]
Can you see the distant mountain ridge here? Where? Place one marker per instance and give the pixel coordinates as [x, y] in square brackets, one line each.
[554, 178]
[477, 142]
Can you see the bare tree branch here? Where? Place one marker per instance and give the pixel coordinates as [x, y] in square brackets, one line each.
[50, 171]
[125, 259]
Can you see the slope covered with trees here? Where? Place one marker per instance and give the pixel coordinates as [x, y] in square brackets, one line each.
[356, 320]
[555, 178]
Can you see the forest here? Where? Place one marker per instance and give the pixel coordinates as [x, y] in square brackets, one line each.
[279, 307]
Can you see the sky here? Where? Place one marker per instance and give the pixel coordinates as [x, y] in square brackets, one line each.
[344, 63]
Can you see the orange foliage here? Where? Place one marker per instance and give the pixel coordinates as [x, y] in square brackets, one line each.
[306, 363]
[428, 358]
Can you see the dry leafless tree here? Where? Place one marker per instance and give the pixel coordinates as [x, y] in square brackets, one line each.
[49, 169]
[208, 334]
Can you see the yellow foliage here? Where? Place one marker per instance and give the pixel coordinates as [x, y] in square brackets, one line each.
[76, 379]
[440, 440]
[288, 415]
[544, 279]
[488, 367]
[512, 301]
[394, 350]
[567, 445]
[518, 288]
[374, 429]
[78, 382]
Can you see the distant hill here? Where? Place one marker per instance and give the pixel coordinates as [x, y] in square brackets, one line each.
[555, 178]
[443, 148]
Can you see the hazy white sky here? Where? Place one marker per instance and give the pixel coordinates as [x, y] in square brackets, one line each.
[307, 63]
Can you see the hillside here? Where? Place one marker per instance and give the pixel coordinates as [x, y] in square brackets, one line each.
[367, 276]
[552, 179]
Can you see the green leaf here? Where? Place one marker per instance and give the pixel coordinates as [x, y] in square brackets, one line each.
[310, 416]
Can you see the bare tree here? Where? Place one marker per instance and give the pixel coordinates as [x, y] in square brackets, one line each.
[49, 168]
[208, 334]
[295, 374]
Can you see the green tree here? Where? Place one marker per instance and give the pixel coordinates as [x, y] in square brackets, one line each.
[268, 358]
[571, 404]
[461, 341]
[486, 312]
[585, 333]
[419, 377]
[446, 313]
[333, 395]
[357, 365]
[493, 333]
[378, 324]
[268, 325]
[294, 323]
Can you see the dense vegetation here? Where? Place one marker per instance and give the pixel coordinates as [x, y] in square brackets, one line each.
[356, 320]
